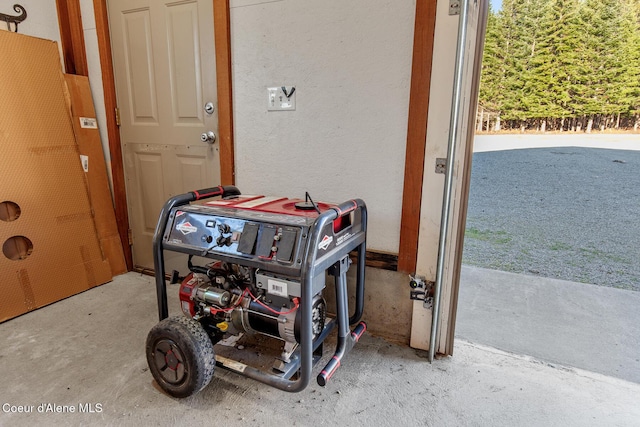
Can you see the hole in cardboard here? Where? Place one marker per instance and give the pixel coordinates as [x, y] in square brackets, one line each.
[9, 211]
[17, 248]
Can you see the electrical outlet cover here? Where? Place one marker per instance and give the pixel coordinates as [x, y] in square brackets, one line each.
[277, 99]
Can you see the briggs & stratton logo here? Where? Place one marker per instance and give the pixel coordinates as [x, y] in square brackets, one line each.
[186, 228]
[326, 241]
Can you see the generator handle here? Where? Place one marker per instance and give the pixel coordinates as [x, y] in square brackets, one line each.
[158, 256]
[342, 210]
[224, 191]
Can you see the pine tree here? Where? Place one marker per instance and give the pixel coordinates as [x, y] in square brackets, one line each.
[492, 87]
[530, 42]
[630, 90]
[507, 23]
[599, 67]
[546, 61]
[521, 20]
[553, 65]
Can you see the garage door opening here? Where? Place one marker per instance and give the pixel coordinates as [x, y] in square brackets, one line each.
[551, 238]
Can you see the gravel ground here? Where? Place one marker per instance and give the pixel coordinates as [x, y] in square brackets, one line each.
[566, 212]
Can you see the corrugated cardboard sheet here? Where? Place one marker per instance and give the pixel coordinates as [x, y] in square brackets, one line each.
[50, 249]
[85, 128]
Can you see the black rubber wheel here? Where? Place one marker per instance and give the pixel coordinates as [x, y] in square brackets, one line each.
[180, 356]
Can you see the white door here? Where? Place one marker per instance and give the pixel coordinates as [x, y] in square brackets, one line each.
[164, 65]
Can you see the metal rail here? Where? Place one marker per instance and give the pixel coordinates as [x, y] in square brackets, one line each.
[454, 131]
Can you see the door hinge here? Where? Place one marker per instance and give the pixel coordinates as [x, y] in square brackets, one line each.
[422, 290]
[117, 116]
[130, 236]
[454, 7]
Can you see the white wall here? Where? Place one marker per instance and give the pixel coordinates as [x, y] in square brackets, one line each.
[351, 65]
[42, 18]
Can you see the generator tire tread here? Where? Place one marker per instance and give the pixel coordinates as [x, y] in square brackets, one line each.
[192, 340]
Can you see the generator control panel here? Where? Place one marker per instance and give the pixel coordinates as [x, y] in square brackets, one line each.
[244, 238]
[259, 231]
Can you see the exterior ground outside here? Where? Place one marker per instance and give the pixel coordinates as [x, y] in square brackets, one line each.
[557, 210]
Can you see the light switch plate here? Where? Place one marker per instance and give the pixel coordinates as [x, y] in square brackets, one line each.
[277, 99]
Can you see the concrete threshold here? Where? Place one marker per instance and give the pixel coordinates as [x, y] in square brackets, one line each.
[89, 349]
[575, 324]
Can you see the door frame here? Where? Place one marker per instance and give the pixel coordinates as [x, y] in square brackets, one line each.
[72, 37]
[421, 67]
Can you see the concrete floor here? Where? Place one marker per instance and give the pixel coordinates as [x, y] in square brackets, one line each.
[90, 349]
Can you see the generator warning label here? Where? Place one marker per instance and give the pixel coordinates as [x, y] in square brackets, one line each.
[343, 238]
[186, 228]
[276, 287]
[325, 242]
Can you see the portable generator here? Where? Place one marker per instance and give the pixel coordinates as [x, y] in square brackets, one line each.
[264, 263]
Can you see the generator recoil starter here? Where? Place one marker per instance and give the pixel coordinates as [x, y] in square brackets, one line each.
[257, 267]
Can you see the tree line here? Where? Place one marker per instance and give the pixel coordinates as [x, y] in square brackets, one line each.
[561, 65]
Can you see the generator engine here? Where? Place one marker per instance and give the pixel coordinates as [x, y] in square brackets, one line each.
[227, 296]
[257, 267]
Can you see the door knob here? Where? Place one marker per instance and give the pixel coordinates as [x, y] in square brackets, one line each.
[208, 137]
